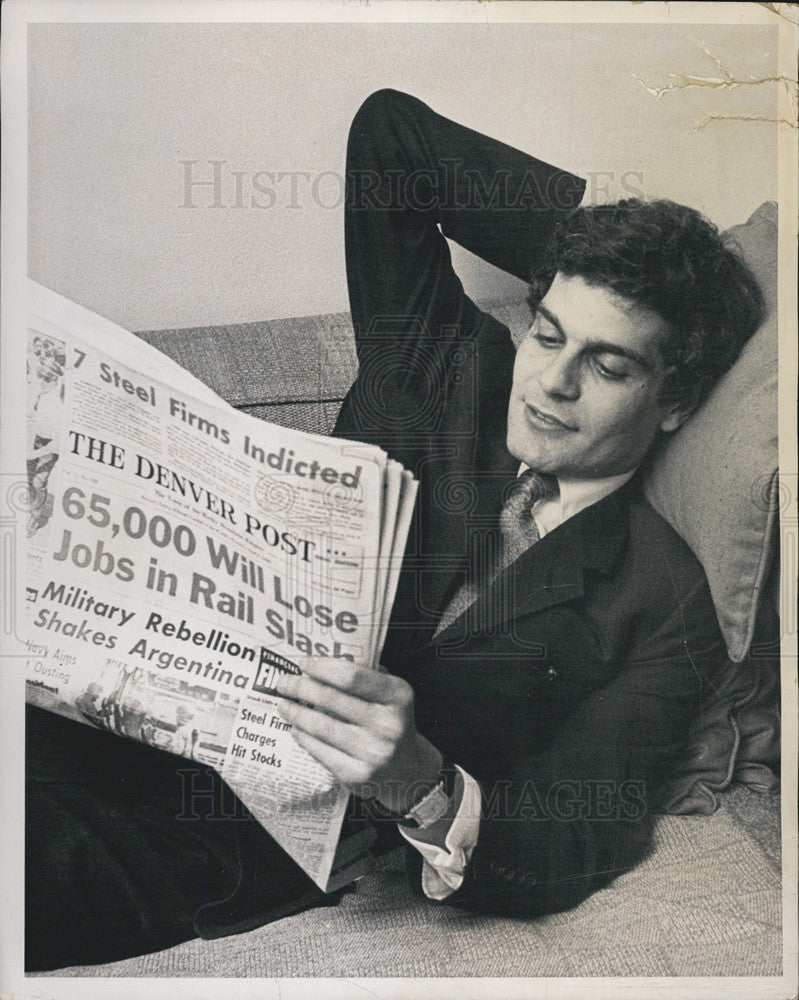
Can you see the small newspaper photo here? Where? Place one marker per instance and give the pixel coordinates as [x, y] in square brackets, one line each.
[181, 555]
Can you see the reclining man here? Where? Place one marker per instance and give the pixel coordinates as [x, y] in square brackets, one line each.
[552, 637]
[556, 649]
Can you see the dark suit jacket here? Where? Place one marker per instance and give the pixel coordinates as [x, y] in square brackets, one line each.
[568, 689]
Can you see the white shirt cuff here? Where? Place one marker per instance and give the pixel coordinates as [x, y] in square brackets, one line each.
[445, 863]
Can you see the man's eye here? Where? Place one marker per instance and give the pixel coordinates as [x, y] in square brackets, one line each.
[547, 339]
[609, 372]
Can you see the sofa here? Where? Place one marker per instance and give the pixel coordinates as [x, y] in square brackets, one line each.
[707, 900]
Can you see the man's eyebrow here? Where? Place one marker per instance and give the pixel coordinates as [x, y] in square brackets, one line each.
[600, 346]
[551, 318]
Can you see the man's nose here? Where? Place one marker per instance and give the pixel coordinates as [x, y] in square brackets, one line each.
[561, 376]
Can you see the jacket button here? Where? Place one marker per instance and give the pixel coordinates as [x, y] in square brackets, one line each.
[551, 674]
[505, 872]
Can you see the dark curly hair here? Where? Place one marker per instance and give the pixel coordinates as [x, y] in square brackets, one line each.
[672, 261]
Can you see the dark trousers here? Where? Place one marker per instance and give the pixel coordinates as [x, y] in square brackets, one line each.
[130, 850]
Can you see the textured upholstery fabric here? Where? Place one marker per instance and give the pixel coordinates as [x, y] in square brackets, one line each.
[706, 902]
[276, 361]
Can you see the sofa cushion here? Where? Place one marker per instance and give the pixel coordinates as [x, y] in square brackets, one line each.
[734, 739]
[715, 481]
[274, 362]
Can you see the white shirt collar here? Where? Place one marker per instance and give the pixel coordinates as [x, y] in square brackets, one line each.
[575, 495]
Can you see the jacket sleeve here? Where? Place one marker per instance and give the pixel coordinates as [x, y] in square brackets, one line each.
[411, 171]
[433, 369]
[414, 177]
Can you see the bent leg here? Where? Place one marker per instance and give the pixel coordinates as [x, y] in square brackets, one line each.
[130, 850]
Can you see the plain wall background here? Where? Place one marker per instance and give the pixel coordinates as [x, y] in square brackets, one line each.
[114, 108]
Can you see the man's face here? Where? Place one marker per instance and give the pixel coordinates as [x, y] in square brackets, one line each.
[586, 384]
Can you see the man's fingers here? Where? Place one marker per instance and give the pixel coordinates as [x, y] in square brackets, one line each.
[334, 732]
[327, 699]
[346, 769]
[370, 685]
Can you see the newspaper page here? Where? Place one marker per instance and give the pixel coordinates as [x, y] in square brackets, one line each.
[181, 555]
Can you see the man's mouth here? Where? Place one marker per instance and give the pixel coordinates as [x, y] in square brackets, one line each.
[548, 420]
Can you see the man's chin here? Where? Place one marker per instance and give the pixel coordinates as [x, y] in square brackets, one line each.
[533, 458]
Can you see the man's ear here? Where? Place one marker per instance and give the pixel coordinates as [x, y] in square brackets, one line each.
[676, 414]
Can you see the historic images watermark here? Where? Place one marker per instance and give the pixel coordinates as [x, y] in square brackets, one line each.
[215, 183]
[564, 800]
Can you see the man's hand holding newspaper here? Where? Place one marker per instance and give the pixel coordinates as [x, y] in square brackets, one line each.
[184, 559]
[360, 725]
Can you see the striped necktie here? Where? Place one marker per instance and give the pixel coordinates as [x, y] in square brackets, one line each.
[518, 531]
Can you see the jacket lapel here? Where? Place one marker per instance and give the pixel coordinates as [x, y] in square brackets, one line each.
[458, 538]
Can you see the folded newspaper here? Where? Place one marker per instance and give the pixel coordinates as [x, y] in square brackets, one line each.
[182, 554]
